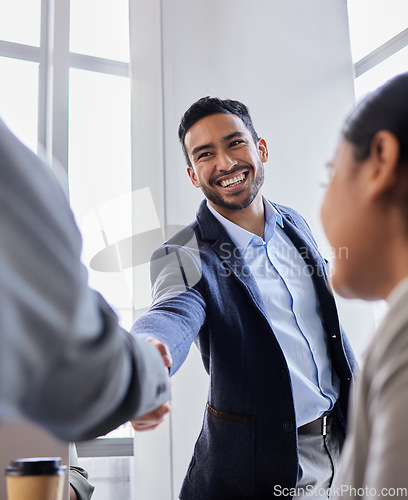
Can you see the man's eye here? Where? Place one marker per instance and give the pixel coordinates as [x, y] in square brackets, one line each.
[235, 143]
[203, 155]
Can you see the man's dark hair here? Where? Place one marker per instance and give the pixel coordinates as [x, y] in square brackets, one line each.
[207, 106]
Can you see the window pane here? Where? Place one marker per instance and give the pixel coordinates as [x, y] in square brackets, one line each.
[19, 98]
[374, 22]
[123, 431]
[111, 476]
[100, 172]
[20, 21]
[397, 63]
[100, 28]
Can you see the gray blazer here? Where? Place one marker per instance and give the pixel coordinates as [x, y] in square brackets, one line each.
[376, 449]
[64, 361]
[78, 476]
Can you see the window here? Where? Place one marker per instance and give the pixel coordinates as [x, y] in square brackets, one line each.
[380, 73]
[379, 41]
[20, 56]
[20, 21]
[379, 45]
[100, 29]
[19, 98]
[67, 91]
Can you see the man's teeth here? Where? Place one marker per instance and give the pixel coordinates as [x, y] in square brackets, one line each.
[233, 181]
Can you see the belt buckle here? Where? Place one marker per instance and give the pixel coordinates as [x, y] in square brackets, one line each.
[324, 425]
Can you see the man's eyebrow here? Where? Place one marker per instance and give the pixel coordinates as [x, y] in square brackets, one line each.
[232, 136]
[200, 148]
[211, 145]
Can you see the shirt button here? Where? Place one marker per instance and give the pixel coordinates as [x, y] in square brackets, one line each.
[287, 426]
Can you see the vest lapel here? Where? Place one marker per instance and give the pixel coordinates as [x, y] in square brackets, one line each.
[230, 257]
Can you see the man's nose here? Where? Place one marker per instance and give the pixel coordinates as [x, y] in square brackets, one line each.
[225, 161]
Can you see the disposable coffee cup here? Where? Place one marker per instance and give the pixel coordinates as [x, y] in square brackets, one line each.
[35, 479]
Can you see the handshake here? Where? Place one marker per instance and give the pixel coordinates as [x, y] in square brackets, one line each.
[151, 420]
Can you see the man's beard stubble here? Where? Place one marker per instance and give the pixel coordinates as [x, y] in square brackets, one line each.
[255, 187]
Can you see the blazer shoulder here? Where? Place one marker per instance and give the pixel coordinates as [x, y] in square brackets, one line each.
[184, 235]
[185, 242]
[293, 216]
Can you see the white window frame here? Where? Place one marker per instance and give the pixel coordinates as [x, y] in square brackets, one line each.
[381, 53]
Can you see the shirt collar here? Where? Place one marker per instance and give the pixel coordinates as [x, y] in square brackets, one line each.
[241, 237]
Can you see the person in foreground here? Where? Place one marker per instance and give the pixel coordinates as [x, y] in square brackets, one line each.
[65, 363]
[247, 283]
[366, 211]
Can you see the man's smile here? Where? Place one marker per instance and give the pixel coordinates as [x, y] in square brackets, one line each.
[231, 180]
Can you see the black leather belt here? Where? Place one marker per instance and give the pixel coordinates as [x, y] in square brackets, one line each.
[322, 425]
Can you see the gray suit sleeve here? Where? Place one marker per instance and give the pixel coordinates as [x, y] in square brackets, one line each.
[65, 363]
[78, 476]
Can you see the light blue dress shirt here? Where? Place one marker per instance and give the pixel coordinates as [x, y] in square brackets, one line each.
[294, 312]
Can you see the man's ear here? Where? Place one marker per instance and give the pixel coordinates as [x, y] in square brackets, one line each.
[262, 150]
[383, 161]
[193, 177]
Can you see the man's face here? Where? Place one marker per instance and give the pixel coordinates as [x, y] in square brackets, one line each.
[226, 162]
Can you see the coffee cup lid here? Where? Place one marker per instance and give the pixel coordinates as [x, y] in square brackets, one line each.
[37, 466]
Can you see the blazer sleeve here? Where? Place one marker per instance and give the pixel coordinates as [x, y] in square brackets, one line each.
[178, 309]
[78, 476]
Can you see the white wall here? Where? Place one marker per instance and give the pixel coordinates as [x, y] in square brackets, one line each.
[290, 62]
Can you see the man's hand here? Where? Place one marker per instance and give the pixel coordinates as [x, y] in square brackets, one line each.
[163, 350]
[150, 421]
[72, 493]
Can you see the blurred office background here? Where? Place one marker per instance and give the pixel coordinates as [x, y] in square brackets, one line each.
[99, 86]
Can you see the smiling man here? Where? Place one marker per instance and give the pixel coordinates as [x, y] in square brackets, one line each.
[239, 175]
[246, 282]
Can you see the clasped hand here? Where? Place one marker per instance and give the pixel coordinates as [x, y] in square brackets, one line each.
[151, 420]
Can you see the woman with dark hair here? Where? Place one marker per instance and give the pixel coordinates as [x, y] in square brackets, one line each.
[365, 216]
